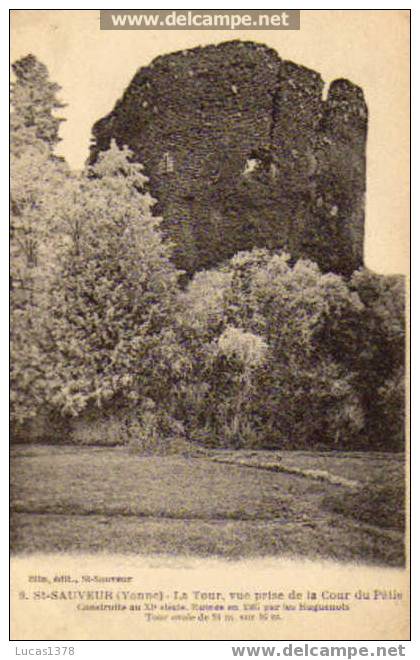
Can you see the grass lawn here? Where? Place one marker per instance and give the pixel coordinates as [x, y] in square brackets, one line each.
[105, 499]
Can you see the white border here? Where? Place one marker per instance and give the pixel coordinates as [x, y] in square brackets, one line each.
[189, 650]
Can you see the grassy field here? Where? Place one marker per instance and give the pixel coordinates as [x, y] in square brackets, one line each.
[347, 507]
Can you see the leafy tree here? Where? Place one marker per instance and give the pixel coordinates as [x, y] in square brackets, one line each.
[379, 356]
[92, 284]
[111, 308]
[199, 321]
[305, 395]
[34, 102]
[299, 393]
[333, 369]
[37, 182]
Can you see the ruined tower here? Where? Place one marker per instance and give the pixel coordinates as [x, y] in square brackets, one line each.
[241, 150]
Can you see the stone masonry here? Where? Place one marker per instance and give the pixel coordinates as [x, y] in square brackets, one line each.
[242, 150]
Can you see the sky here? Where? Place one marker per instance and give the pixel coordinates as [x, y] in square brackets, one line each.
[369, 47]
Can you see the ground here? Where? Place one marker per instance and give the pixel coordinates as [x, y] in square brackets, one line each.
[228, 504]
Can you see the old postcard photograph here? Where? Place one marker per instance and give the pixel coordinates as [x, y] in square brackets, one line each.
[209, 260]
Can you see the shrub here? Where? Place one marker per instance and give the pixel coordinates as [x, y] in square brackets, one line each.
[378, 357]
[44, 427]
[270, 380]
[153, 432]
[332, 373]
[99, 429]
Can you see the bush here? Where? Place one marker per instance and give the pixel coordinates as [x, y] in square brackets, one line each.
[268, 377]
[150, 445]
[154, 432]
[45, 428]
[100, 429]
[330, 367]
[378, 358]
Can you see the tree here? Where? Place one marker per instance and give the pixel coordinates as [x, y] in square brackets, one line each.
[92, 283]
[34, 102]
[111, 308]
[38, 180]
[379, 356]
[38, 183]
[297, 393]
[305, 395]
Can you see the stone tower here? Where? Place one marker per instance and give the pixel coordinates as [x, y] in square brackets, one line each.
[241, 150]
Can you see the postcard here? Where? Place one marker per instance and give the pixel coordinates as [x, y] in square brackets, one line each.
[209, 263]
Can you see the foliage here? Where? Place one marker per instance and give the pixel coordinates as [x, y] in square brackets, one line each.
[307, 390]
[378, 356]
[305, 397]
[37, 182]
[237, 357]
[111, 307]
[34, 102]
[98, 428]
[155, 432]
[92, 282]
